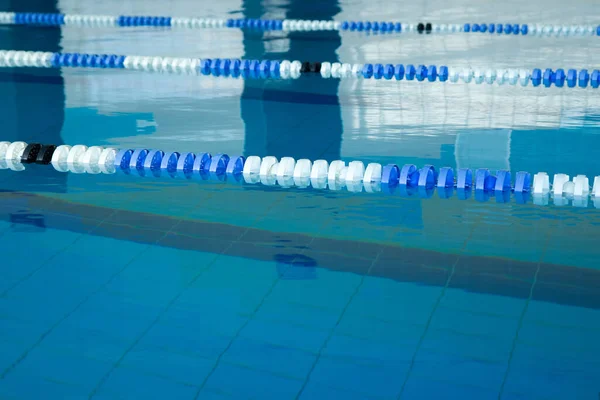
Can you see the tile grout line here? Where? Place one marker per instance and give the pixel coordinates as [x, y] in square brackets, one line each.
[167, 307]
[67, 315]
[426, 329]
[52, 327]
[332, 330]
[65, 248]
[233, 339]
[520, 325]
[439, 300]
[516, 338]
[152, 323]
[250, 318]
[45, 334]
[301, 252]
[49, 259]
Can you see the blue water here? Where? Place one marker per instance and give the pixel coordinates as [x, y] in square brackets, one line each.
[121, 287]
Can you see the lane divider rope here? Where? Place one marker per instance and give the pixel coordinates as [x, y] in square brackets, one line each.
[45, 19]
[406, 180]
[285, 69]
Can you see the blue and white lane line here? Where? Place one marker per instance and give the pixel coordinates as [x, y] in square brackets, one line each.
[45, 19]
[320, 174]
[285, 69]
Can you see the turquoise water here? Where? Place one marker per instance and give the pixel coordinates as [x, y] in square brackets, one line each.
[121, 287]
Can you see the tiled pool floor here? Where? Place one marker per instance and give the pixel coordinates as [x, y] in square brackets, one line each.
[89, 316]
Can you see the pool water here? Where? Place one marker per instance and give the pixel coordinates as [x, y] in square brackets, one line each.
[123, 287]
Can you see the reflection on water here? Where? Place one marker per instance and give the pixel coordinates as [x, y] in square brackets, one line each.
[32, 110]
[281, 125]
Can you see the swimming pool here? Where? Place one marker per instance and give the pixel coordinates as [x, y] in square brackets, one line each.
[128, 286]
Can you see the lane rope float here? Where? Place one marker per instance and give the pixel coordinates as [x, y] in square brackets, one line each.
[87, 20]
[406, 180]
[285, 69]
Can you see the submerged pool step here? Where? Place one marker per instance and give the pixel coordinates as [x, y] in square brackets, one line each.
[407, 180]
[285, 69]
[86, 20]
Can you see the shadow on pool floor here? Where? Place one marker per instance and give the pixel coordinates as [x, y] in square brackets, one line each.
[480, 274]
